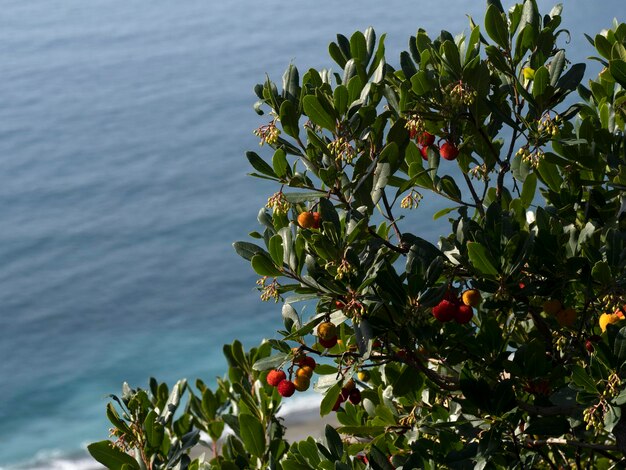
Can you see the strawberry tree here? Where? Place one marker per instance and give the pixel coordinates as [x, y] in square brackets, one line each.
[500, 345]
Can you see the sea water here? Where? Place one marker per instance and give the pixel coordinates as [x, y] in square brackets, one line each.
[123, 127]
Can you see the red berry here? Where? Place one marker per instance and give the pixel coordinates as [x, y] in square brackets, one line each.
[464, 314]
[448, 151]
[286, 388]
[424, 152]
[338, 403]
[339, 304]
[426, 139]
[589, 346]
[307, 361]
[317, 220]
[327, 343]
[355, 396]
[445, 311]
[274, 377]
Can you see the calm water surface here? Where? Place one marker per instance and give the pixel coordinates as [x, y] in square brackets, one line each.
[122, 186]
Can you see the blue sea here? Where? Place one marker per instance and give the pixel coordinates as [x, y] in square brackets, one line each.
[123, 127]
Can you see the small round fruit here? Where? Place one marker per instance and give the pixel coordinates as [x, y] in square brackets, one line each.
[449, 151]
[337, 403]
[304, 371]
[589, 346]
[424, 152]
[317, 220]
[426, 139]
[274, 377]
[552, 306]
[464, 314]
[286, 388]
[566, 317]
[326, 330]
[355, 396]
[471, 297]
[445, 311]
[328, 343]
[307, 361]
[301, 383]
[609, 319]
[339, 305]
[306, 220]
[364, 376]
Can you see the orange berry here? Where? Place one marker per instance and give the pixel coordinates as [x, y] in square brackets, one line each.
[306, 220]
[301, 383]
[304, 371]
[552, 306]
[566, 317]
[328, 343]
[364, 376]
[471, 297]
[307, 361]
[609, 319]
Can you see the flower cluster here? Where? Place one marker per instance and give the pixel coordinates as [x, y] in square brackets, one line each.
[341, 149]
[268, 133]
[279, 203]
[268, 291]
[412, 200]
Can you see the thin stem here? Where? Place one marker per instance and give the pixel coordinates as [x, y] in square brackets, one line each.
[479, 204]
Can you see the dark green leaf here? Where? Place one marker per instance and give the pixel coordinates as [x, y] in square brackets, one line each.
[480, 259]
[110, 456]
[317, 113]
[330, 398]
[252, 434]
[617, 68]
[271, 362]
[260, 165]
[289, 119]
[264, 266]
[496, 26]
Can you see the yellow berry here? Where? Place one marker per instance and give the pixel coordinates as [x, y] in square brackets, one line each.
[471, 297]
[305, 371]
[302, 383]
[326, 330]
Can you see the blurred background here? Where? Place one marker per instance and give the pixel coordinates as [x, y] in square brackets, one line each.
[123, 127]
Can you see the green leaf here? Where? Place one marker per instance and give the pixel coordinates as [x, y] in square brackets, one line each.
[341, 97]
[291, 85]
[264, 266]
[247, 250]
[581, 378]
[496, 27]
[358, 47]
[541, 81]
[480, 259]
[289, 118]
[330, 398]
[420, 83]
[548, 426]
[443, 212]
[271, 362]
[154, 430]
[556, 67]
[259, 164]
[601, 273]
[381, 176]
[617, 68]
[333, 442]
[110, 456]
[528, 190]
[316, 112]
[252, 434]
[276, 249]
[549, 174]
[279, 161]
[619, 346]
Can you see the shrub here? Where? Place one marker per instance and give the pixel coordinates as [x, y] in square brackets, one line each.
[501, 347]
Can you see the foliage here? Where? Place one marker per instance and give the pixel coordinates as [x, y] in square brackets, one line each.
[532, 378]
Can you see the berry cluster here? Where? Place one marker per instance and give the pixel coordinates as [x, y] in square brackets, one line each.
[457, 309]
[349, 392]
[308, 219]
[563, 316]
[277, 377]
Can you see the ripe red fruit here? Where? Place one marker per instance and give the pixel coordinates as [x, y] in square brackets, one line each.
[339, 304]
[589, 346]
[327, 343]
[286, 388]
[355, 396]
[445, 311]
[464, 314]
[337, 403]
[307, 361]
[448, 151]
[274, 377]
[426, 139]
[424, 152]
[317, 220]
